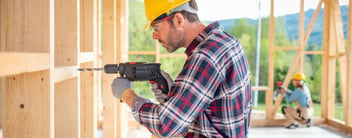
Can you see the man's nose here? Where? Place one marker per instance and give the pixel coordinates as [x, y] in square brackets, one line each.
[155, 36]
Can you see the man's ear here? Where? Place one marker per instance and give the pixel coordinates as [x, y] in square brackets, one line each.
[179, 20]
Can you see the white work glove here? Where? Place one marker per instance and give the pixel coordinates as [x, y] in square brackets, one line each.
[159, 95]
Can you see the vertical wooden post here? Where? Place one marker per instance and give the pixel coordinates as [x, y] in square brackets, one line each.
[67, 92]
[89, 42]
[269, 93]
[349, 68]
[29, 96]
[301, 36]
[121, 56]
[340, 43]
[109, 57]
[324, 77]
[331, 64]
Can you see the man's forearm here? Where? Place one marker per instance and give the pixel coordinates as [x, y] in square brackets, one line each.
[129, 97]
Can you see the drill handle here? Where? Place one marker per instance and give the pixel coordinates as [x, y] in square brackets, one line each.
[162, 84]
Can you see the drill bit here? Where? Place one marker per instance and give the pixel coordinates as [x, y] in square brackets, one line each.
[90, 69]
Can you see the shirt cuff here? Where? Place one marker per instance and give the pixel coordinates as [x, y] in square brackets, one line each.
[137, 104]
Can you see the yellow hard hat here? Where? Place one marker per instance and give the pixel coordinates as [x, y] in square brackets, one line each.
[155, 8]
[299, 76]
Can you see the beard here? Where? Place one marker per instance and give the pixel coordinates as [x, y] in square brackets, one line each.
[175, 39]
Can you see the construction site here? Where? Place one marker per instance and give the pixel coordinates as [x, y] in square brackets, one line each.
[43, 95]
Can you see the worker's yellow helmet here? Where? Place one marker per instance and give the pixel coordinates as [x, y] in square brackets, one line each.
[299, 76]
[156, 8]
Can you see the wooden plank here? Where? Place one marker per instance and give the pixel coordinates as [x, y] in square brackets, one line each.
[122, 55]
[67, 109]
[142, 52]
[314, 52]
[29, 96]
[340, 42]
[88, 103]
[13, 63]
[84, 57]
[27, 105]
[286, 48]
[348, 118]
[67, 92]
[324, 77]
[65, 73]
[269, 93]
[88, 80]
[331, 62]
[301, 37]
[109, 57]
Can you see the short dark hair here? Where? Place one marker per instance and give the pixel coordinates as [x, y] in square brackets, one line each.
[191, 17]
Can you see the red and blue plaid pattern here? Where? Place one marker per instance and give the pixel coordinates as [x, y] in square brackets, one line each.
[211, 95]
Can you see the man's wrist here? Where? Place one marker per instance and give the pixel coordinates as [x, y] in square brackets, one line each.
[128, 97]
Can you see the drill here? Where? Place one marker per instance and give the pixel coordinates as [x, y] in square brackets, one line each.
[136, 71]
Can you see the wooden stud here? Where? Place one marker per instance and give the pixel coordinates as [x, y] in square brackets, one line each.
[12, 63]
[286, 48]
[88, 83]
[331, 62]
[324, 77]
[67, 92]
[348, 117]
[121, 53]
[29, 97]
[65, 73]
[301, 37]
[269, 93]
[314, 52]
[109, 57]
[142, 52]
[340, 42]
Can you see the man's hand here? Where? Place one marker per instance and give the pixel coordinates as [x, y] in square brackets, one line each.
[159, 95]
[119, 87]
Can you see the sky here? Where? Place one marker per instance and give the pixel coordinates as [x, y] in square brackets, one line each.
[230, 9]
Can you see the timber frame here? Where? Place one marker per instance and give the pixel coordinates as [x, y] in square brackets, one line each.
[43, 95]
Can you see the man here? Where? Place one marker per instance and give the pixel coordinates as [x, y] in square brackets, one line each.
[301, 95]
[211, 95]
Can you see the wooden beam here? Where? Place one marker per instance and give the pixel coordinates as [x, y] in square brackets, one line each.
[269, 93]
[324, 76]
[25, 28]
[67, 92]
[314, 52]
[301, 36]
[122, 56]
[65, 73]
[109, 57]
[331, 62]
[13, 63]
[141, 52]
[340, 42]
[348, 118]
[88, 80]
[286, 48]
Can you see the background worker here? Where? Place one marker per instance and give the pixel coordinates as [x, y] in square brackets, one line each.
[211, 95]
[301, 95]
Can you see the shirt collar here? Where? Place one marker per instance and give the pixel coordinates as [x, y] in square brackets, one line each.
[200, 37]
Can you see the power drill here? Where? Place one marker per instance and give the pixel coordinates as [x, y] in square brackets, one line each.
[136, 71]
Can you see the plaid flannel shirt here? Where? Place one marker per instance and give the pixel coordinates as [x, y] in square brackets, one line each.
[211, 95]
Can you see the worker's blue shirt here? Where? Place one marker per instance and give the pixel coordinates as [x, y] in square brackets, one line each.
[302, 96]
